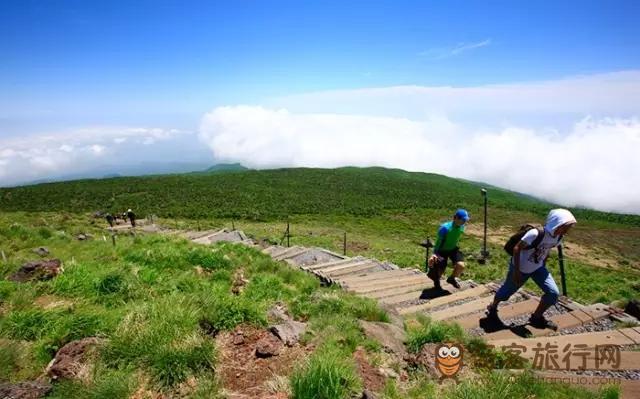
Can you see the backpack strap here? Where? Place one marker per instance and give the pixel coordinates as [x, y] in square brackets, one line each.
[538, 239]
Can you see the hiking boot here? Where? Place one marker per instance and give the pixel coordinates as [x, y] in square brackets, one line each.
[542, 323]
[452, 280]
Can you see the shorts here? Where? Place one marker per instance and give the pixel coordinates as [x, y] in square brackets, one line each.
[438, 269]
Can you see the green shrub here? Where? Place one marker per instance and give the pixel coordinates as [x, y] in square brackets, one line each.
[326, 375]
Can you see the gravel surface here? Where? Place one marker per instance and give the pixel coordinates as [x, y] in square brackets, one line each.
[622, 374]
[605, 324]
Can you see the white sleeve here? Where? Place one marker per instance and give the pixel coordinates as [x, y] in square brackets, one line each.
[530, 236]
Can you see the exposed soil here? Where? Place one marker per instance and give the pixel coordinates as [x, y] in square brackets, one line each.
[243, 373]
[372, 379]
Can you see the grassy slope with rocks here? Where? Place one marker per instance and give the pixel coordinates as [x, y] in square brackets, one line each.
[149, 297]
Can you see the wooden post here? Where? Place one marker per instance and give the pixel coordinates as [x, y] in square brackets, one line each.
[288, 235]
[113, 239]
[344, 244]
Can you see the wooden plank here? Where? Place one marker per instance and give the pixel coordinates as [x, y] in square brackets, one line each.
[632, 334]
[463, 309]
[358, 269]
[389, 282]
[293, 254]
[335, 268]
[320, 266]
[395, 299]
[394, 291]
[292, 250]
[443, 300]
[385, 285]
[505, 311]
[591, 339]
[397, 284]
[379, 276]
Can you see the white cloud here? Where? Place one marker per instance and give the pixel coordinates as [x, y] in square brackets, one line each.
[593, 163]
[441, 53]
[37, 156]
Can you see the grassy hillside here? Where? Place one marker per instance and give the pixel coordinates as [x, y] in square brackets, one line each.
[162, 306]
[274, 194]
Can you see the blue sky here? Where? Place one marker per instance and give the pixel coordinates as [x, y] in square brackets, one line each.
[143, 61]
[80, 70]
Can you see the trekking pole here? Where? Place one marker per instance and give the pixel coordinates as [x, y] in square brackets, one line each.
[426, 244]
[562, 275]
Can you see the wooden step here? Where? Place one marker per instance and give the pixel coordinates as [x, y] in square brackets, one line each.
[345, 266]
[460, 310]
[443, 300]
[386, 274]
[625, 336]
[413, 290]
[320, 266]
[384, 284]
[292, 254]
[290, 250]
[506, 311]
[395, 284]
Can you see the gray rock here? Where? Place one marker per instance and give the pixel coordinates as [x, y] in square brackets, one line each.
[71, 358]
[289, 332]
[278, 313]
[390, 336]
[268, 346]
[42, 251]
[38, 270]
[367, 394]
[25, 390]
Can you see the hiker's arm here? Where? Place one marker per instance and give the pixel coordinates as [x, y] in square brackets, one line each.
[517, 276]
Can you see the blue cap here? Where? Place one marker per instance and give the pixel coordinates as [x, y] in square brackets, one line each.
[462, 214]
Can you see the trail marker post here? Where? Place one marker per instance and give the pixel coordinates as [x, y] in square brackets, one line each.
[484, 254]
[344, 244]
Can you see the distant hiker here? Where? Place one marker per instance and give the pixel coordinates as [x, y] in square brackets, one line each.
[110, 219]
[447, 248]
[124, 216]
[132, 217]
[529, 258]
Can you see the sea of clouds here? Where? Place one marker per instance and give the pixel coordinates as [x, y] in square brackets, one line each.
[572, 141]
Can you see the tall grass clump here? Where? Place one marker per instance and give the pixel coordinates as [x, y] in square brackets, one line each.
[163, 337]
[326, 375]
[428, 331]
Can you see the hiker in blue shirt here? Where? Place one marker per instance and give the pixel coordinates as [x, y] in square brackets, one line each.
[447, 248]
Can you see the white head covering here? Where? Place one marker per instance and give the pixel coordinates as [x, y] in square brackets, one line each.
[129, 210]
[558, 217]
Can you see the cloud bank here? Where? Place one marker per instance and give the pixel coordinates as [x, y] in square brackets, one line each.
[572, 141]
[37, 156]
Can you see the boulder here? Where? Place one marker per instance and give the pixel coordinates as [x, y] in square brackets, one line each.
[238, 338]
[278, 313]
[390, 336]
[268, 346]
[38, 270]
[25, 390]
[42, 251]
[289, 332]
[72, 358]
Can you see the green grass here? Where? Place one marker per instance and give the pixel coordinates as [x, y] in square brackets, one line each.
[148, 298]
[327, 375]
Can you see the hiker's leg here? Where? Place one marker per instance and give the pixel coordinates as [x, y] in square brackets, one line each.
[458, 263]
[547, 284]
[436, 272]
[507, 288]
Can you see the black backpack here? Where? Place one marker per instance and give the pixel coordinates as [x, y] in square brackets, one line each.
[517, 237]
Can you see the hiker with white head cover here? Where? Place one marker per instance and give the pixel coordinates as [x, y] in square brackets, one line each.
[530, 249]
